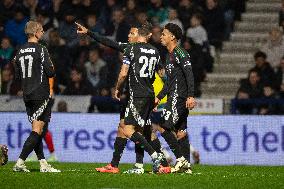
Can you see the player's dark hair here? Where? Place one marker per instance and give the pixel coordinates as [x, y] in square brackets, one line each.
[135, 25]
[145, 29]
[175, 30]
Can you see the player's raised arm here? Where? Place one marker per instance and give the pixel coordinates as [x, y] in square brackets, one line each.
[99, 38]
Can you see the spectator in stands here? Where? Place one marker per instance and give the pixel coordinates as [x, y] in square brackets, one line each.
[173, 18]
[78, 85]
[7, 9]
[280, 77]
[250, 88]
[199, 35]
[141, 17]
[267, 75]
[58, 7]
[197, 63]
[214, 23]
[81, 54]
[130, 10]
[14, 28]
[104, 103]
[229, 8]
[47, 23]
[281, 16]
[274, 48]
[197, 31]
[67, 29]
[6, 52]
[60, 58]
[106, 13]
[108, 104]
[62, 106]
[30, 7]
[94, 25]
[96, 70]
[186, 8]
[9, 86]
[269, 105]
[91, 7]
[157, 12]
[118, 28]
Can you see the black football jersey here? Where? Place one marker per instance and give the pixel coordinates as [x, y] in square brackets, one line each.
[180, 81]
[33, 66]
[142, 59]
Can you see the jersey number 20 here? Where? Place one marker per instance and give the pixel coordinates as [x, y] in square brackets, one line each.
[148, 67]
[23, 66]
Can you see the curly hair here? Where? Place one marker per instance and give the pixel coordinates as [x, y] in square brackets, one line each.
[175, 30]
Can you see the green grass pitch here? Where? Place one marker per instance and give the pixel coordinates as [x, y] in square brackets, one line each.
[83, 175]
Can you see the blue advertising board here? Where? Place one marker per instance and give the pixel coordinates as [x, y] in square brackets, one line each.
[221, 140]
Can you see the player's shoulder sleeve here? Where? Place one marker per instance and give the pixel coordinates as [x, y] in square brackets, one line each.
[128, 54]
[16, 66]
[122, 46]
[46, 62]
[129, 51]
[182, 57]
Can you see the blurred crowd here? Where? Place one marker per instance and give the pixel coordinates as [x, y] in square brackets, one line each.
[262, 92]
[85, 67]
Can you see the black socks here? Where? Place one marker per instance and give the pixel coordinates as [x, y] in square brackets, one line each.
[138, 138]
[29, 145]
[172, 142]
[119, 146]
[185, 147]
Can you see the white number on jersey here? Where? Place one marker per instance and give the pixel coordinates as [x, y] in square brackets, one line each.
[147, 69]
[30, 64]
[166, 114]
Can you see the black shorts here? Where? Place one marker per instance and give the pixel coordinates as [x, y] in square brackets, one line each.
[138, 111]
[174, 115]
[123, 104]
[39, 109]
[156, 117]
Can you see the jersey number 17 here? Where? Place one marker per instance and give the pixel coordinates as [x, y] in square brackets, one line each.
[23, 66]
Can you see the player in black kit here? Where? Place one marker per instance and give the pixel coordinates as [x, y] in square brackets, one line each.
[120, 141]
[139, 64]
[180, 89]
[35, 69]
